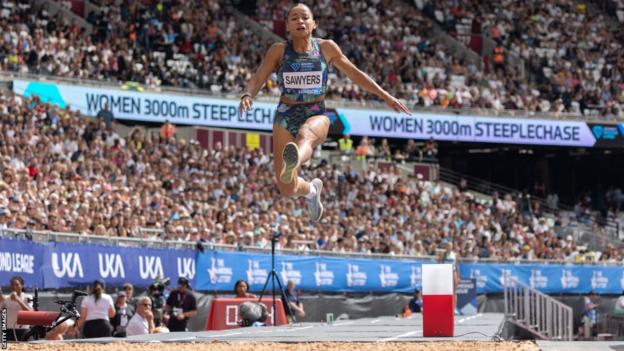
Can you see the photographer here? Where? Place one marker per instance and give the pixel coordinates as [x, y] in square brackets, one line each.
[16, 301]
[181, 305]
[156, 293]
[292, 297]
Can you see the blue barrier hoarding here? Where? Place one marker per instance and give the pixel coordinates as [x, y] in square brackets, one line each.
[57, 265]
[23, 258]
[218, 271]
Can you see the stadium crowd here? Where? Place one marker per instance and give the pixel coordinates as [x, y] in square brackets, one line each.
[197, 44]
[573, 52]
[64, 172]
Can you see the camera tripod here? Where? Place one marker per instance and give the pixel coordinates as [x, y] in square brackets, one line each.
[274, 277]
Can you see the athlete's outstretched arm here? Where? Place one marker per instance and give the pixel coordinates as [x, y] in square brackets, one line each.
[268, 65]
[334, 56]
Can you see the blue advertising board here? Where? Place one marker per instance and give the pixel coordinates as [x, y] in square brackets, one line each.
[58, 265]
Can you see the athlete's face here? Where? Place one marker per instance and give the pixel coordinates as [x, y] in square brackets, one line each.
[300, 22]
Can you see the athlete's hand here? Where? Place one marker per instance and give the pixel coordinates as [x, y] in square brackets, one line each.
[246, 103]
[396, 105]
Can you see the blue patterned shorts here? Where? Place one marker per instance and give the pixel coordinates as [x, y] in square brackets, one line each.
[292, 117]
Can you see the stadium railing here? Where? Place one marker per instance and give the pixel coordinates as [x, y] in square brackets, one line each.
[538, 312]
[65, 237]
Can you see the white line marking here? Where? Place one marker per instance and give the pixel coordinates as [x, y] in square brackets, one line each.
[300, 328]
[181, 339]
[375, 321]
[220, 335]
[469, 318]
[398, 336]
[341, 324]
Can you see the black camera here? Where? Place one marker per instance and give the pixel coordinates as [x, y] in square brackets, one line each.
[159, 285]
[156, 292]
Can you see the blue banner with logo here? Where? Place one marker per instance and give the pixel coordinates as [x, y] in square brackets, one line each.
[491, 278]
[58, 265]
[76, 264]
[220, 270]
[21, 258]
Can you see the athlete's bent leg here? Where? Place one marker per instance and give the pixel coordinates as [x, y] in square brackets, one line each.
[298, 186]
[311, 134]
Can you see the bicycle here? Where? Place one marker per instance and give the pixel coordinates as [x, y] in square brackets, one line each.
[42, 322]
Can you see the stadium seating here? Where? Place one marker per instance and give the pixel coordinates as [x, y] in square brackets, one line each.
[199, 45]
[63, 172]
[571, 50]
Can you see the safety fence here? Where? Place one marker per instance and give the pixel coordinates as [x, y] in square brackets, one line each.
[537, 312]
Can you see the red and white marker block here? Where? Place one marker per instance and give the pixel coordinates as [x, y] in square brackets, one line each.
[437, 291]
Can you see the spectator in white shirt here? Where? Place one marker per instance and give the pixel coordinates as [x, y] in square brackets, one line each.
[95, 312]
[14, 302]
[143, 320]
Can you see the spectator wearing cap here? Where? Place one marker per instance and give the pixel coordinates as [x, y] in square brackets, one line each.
[123, 313]
[181, 305]
[95, 312]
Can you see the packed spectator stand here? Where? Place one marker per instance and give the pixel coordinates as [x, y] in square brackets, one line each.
[197, 44]
[172, 44]
[64, 172]
[572, 50]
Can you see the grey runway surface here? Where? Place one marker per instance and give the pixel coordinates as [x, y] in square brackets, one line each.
[380, 329]
[581, 345]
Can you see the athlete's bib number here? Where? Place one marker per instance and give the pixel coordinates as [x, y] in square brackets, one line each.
[303, 80]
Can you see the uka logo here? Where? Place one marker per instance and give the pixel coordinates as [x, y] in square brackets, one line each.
[70, 265]
[111, 266]
[186, 267]
[150, 267]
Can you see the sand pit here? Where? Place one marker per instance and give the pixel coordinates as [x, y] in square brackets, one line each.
[318, 346]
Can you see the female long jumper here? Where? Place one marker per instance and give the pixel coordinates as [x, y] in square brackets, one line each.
[300, 124]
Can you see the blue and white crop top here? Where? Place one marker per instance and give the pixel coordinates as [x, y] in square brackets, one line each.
[303, 77]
